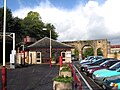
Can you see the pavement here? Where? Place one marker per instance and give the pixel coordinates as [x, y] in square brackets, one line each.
[33, 77]
[7, 65]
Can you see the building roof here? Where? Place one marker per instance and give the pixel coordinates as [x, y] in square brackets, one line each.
[115, 46]
[45, 43]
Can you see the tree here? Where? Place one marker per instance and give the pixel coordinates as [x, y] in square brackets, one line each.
[18, 29]
[49, 27]
[33, 26]
[88, 52]
[76, 52]
[9, 20]
[13, 25]
[99, 52]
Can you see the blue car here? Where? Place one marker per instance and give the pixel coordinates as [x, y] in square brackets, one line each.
[90, 59]
[99, 75]
[111, 83]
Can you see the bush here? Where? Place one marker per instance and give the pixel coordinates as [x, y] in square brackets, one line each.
[63, 79]
[65, 69]
[64, 65]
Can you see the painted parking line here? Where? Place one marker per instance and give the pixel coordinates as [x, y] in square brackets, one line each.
[83, 78]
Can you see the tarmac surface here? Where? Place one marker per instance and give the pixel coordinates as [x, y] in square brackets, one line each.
[34, 77]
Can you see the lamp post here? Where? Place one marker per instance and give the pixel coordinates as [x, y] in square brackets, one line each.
[4, 84]
[50, 46]
[13, 37]
[13, 53]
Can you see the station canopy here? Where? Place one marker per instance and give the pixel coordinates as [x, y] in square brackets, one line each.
[8, 36]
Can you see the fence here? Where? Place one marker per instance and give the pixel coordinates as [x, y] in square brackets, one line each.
[77, 81]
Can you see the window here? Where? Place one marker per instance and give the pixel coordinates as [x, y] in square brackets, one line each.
[38, 60]
[38, 54]
[63, 55]
[63, 59]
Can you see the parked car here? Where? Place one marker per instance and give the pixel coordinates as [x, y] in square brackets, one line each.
[90, 59]
[74, 58]
[103, 65]
[86, 59]
[99, 75]
[97, 62]
[111, 83]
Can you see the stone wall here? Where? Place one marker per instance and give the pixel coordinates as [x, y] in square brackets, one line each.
[113, 56]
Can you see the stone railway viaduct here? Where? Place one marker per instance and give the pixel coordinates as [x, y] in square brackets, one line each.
[103, 44]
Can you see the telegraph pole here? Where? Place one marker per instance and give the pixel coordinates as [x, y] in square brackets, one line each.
[4, 83]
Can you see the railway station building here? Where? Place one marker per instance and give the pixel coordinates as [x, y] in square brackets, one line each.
[39, 52]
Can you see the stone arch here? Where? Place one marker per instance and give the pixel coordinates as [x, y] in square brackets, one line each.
[100, 43]
[85, 48]
[99, 52]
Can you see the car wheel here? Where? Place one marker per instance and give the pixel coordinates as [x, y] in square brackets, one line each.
[82, 69]
[87, 74]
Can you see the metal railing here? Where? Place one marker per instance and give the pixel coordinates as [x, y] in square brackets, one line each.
[77, 82]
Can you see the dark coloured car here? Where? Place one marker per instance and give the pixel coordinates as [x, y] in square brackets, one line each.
[74, 58]
[98, 62]
[111, 83]
[103, 65]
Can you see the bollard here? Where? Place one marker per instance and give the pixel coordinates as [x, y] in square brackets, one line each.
[50, 62]
[60, 61]
[4, 78]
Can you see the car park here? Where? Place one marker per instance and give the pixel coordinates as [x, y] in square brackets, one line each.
[103, 65]
[97, 62]
[99, 75]
[111, 83]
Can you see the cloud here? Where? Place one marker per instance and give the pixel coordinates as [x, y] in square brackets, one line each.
[83, 22]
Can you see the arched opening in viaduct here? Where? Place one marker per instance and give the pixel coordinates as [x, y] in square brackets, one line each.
[99, 52]
[87, 50]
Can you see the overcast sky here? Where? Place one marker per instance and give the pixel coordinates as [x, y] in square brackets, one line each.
[75, 19]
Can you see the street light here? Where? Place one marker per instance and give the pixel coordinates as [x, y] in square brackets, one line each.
[50, 46]
[13, 37]
[13, 53]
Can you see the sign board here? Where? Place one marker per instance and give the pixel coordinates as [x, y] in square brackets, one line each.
[68, 54]
[12, 58]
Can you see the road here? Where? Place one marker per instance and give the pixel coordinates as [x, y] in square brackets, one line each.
[35, 77]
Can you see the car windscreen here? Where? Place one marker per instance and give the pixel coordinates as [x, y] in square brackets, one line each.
[104, 63]
[115, 66]
[98, 61]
